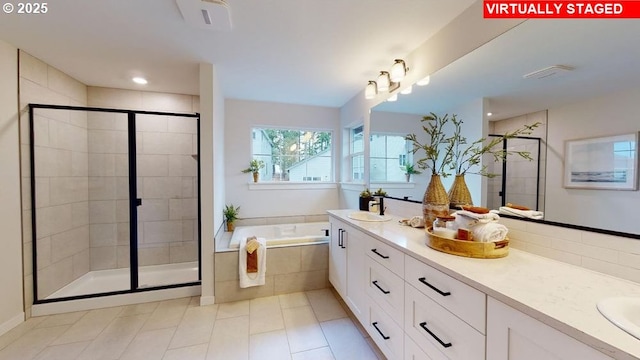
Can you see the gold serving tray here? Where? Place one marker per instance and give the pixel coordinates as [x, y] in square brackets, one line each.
[473, 249]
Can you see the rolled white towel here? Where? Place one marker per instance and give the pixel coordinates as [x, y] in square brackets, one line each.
[489, 232]
[467, 219]
[417, 222]
[531, 214]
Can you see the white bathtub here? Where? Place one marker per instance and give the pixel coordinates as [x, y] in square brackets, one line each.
[283, 234]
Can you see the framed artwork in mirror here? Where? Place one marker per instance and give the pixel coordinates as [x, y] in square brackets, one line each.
[609, 162]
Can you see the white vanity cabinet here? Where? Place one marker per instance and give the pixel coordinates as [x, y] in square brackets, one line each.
[346, 266]
[512, 335]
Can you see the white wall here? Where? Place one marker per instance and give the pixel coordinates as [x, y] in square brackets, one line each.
[11, 310]
[609, 115]
[240, 117]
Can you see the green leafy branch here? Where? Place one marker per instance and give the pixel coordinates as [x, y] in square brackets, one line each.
[438, 159]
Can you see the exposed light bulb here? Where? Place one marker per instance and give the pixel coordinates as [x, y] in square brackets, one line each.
[407, 91]
[383, 81]
[424, 81]
[393, 98]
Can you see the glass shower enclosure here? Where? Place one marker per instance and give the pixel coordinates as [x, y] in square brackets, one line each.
[115, 201]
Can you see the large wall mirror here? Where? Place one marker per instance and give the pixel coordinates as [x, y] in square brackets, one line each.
[598, 97]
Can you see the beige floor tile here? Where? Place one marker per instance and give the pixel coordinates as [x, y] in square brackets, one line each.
[233, 309]
[195, 327]
[168, 314]
[325, 305]
[62, 319]
[149, 345]
[196, 352]
[31, 343]
[89, 326]
[137, 309]
[230, 339]
[292, 300]
[323, 353]
[269, 345]
[18, 331]
[265, 315]
[345, 340]
[63, 352]
[303, 330]
[113, 341]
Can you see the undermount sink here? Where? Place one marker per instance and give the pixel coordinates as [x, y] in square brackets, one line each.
[623, 312]
[367, 216]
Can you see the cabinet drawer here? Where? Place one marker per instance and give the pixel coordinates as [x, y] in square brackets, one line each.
[392, 259]
[385, 332]
[413, 352]
[461, 299]
[386, 289]
[438, 332]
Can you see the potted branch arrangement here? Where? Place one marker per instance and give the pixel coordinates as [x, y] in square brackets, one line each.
[254, 168]
[365, 197]
[409, 169]
[230, 216]
[467, 156]
[438, 157]
[446, 155]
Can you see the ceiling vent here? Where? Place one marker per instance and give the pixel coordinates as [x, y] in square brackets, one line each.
[206, 14]
[550, 71]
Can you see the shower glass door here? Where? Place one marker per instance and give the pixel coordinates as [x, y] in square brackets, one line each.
[114, 201]
[167, 192]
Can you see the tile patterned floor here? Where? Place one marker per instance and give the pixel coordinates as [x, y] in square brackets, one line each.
[313, 325]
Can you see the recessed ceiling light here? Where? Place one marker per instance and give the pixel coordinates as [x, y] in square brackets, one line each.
[139, 80]
[424, 81]
[489, 113]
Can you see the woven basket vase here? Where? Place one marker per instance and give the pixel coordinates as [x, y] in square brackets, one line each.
[435, 202]
[459, 193]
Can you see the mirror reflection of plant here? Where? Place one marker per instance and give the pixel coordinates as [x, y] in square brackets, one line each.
[254, 166]
[465, 157]
[437, 159]
[231, 213]
[409, 169]
[380, 192]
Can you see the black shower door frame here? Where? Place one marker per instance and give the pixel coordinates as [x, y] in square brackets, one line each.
[133, 201]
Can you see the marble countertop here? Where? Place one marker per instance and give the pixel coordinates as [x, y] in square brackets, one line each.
[560, 295]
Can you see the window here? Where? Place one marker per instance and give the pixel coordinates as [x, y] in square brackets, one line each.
[389, 154]
[293, 155]
[356, 152]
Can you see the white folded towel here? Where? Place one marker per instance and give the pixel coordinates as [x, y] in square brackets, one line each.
[417, 222]
[252, 279]
[489, 232]
[467, 219]
[531, 214]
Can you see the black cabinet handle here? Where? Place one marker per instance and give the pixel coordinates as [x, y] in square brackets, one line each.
[424, 281]
[375, 325]
[424, 326]
[375, 251]
[341, 242]
[375, 282]
[340, 237]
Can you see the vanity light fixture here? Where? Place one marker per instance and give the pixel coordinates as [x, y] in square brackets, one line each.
[371, 90]
[393, 98]
[383, 81]
[398, 70]
[139, 80]
[425, 81]
[407, 90]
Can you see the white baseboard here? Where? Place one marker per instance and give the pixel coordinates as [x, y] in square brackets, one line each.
[11, 323]
[207, 300]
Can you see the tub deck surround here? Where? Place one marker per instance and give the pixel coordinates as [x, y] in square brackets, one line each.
[560, 295]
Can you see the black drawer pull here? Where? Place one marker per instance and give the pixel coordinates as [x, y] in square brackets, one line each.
[424, 281]
[375, 282]
[375, 251]
[424, 326]
[375, 325]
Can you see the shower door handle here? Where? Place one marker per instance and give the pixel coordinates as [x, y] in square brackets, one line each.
[138, 202]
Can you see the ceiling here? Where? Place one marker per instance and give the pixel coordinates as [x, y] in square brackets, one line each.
[604, 54]
[316, 52]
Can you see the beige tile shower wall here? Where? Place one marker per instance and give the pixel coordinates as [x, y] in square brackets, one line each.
[167, 180]
[522, 182]
[62, 205]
